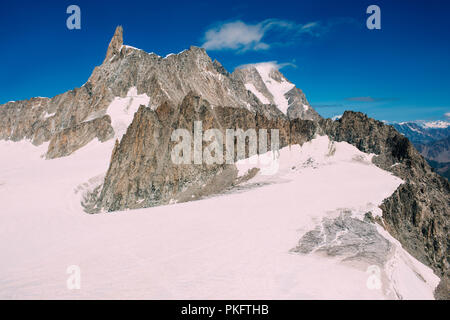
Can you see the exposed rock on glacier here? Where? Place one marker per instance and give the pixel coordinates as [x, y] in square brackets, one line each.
[346, 237]
[67, 141]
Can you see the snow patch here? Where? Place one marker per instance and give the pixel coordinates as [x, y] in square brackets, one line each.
[175, 54]
[436, 124]
[122, 110]
[48, 115]
[408, 278]
[259, 95]
[130, 47]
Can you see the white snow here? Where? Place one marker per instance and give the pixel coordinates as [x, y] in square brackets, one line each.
[48, 115]
[436, 124]
[259, 95]
[404, 273]
[277, 89]
[122, 110]
[130, 47]
[415, 130]
[175, 54]
[233, 246]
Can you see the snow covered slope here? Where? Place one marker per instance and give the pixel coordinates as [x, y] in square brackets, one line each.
[270, 86]
[237, 245]
[122, 110]
[278, 88]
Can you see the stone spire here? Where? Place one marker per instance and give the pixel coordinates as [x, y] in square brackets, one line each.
[115, 44]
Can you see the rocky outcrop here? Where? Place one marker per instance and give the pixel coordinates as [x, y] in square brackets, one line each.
[299, 107]
[115, 45]
[38, 119]
[348, 238]
[142, 173]
[417, 214]
[67, 141]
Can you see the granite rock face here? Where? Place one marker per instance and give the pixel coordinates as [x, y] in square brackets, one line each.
[115, 45]
[67, 141]
[417, 213]
[142, 173]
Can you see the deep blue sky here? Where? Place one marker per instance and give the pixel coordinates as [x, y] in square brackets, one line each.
[398, 73]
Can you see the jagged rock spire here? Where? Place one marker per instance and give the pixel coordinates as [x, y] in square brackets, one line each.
[115, 44]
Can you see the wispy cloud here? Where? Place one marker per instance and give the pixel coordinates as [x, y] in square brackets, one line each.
[447, 115]
[369, 99]
[241, 36]
[273, 64]
[235, 35]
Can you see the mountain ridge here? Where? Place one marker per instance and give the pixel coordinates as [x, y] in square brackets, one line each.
[167, 79]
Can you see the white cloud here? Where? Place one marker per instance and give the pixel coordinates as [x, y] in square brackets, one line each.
[447, 115]
[273, 64]
[238, 35]
[235, 35]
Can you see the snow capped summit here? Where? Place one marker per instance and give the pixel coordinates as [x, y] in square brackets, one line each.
[276, 83]
[436, 124]
[270, 86]
[421, 131]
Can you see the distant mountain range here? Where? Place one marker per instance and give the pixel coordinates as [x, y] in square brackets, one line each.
[432, 141]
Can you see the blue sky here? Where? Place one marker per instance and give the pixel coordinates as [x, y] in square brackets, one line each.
[398, 73]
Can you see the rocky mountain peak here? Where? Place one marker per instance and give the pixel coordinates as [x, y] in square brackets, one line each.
[115, 44]
[270, 86]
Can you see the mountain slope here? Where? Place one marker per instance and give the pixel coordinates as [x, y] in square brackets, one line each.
[423, 132]
[271, 87]
[234, 246]
[438, 150]
[432, 141]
